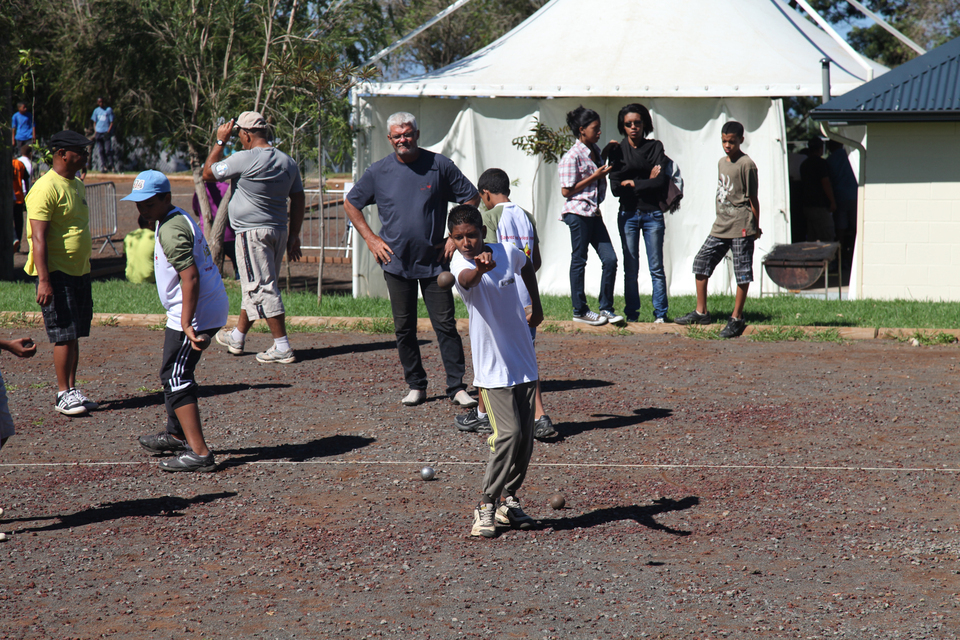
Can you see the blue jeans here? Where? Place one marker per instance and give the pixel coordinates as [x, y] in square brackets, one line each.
[650, 224]
[585, 233]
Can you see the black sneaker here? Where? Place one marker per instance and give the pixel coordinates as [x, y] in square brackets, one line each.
[543, 427]
[189, 461]
[694, 318]
[472, 422]
[734, 328]
[163, 442]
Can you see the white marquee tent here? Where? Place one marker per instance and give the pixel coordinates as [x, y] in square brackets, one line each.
[694, 63]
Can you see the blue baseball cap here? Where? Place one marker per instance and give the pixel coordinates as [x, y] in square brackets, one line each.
[148, 184]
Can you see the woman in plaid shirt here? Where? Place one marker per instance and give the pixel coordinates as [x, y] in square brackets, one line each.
[583, 182]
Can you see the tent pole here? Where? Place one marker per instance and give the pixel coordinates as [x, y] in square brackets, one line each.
[886, 25]
[836, 36]
[413, 34]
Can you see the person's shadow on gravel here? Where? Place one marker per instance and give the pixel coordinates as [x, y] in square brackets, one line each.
[295, 452]
[205, 391]
[551, 386]
[608, 421]
[164, 506]
[643, 515]
[306, 355]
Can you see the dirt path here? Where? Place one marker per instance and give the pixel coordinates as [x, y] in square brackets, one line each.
[714, 489]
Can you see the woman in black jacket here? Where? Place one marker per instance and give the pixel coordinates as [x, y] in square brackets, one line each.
[638, 178]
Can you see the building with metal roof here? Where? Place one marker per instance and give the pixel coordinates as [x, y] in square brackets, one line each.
[906, 126]
[925, 89]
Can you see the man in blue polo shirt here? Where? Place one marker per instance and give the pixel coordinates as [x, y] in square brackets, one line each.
[103, 127]
[411, 189]
[24, 131]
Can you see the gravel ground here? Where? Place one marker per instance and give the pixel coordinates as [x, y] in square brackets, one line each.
[714, 490]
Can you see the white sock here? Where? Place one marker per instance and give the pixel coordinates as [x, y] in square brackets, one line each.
[481, 414]
[281, 344]
[236, 336]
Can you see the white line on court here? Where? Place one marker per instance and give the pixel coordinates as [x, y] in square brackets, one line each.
[226, 461]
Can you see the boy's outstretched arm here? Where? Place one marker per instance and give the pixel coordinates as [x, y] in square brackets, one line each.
[469, 278]
[529, 276]
[20, 347]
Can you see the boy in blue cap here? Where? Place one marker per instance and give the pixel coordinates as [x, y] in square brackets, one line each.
[191, 290]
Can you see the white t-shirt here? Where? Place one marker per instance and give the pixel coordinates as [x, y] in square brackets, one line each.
[178, 239]
[501, 344]
[515, 227]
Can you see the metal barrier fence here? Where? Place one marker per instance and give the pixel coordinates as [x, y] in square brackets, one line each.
[338, 232]
[102, 204]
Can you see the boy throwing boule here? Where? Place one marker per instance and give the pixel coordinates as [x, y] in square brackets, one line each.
[504, 362]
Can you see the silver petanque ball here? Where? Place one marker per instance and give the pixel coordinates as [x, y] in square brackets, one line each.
[427, 473]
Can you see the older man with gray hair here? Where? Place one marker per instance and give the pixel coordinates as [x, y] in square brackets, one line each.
[412, 188]
[264, 178]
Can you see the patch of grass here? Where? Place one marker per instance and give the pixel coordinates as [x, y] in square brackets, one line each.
[13, 387]
[622, 331]
[779, 334]
[160, 326]
[111, 321]
[38, 422]
[929, 339]
[704, 332]
[149, 390]
[374, 326]
[549, 327]
[39, 385]
[796, 334]
[15, 320]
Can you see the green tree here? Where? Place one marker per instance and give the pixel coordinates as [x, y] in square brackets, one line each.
[466, 30]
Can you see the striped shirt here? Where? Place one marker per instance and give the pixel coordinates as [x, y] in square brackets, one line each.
[576, 165]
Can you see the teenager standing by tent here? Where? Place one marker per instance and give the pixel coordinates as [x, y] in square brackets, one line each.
[583, 182]
[638, 178]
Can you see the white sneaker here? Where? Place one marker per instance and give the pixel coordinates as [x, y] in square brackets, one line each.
[612, 317]
[509, 513]
[660, 321]
[463, 399]
[484, 523]
[415, 397]
[87, 403]
[591, 318]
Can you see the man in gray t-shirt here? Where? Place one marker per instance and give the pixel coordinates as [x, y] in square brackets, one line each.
[411, 189]
[263, 178]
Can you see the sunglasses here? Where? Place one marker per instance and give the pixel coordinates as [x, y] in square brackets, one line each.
[81, 151]
[636, 124]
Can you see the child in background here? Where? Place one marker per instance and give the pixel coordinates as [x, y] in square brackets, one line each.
[506, 222]
[504, 362]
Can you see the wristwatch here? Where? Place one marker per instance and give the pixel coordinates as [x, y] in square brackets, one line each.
[220, 143]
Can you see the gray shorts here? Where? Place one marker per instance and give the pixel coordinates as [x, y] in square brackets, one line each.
[713, 250]
[259, 258]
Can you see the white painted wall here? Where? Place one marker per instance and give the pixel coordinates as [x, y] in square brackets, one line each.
[909, 232]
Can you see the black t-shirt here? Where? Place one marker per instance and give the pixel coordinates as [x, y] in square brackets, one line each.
[412, 203]
[812, 172]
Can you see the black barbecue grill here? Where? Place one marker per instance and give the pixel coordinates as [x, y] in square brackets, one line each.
[799, 265]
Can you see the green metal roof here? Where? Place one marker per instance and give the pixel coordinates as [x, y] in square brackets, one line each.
[925, 89]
